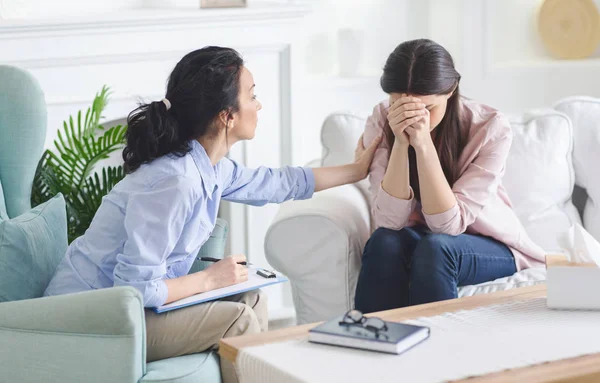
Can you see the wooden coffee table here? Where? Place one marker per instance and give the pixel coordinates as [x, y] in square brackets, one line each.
[585, 369]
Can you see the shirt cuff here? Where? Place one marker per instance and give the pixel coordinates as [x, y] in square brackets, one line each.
[441, 220]
[392, 212]
[306, 184]
[159, 296]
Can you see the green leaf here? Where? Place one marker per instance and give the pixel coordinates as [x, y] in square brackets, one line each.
[70, 168]
[40, 192]
[89, 198]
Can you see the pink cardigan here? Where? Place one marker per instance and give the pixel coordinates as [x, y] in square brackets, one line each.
[482, 207]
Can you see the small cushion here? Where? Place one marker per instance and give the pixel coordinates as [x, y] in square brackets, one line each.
[584, 113]
[214, 247]
[202, 367]
[540, 177]
[31, 247]
[339, 134]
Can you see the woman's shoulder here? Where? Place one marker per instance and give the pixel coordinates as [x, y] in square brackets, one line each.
[375, 122]
[167, 171]
[484, 120]
[380, 110]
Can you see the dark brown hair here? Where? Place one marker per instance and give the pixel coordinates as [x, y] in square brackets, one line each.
[423, 67]
[204, 83]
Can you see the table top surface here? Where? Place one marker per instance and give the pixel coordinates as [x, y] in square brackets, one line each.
[585, 369]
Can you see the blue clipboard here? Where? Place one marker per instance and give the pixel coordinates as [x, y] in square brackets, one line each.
[255, 281]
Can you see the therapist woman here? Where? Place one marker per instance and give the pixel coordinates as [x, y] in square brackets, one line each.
[150, 227]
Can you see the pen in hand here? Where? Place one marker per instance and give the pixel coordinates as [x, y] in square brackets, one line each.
[210, 259]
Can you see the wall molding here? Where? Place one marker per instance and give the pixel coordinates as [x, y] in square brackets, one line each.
[77, 61]
[153, 19]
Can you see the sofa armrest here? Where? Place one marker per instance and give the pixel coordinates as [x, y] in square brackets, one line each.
[318, 245]
[95, 336]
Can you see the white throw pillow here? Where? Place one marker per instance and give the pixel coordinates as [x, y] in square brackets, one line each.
[584, 113]
[339, 135]
[540, 177]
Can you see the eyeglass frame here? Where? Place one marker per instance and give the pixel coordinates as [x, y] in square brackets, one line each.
[363, 321]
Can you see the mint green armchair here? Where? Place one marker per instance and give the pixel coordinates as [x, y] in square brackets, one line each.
[96, 336]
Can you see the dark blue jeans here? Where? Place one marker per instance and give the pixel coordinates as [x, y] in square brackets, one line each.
[414, 266]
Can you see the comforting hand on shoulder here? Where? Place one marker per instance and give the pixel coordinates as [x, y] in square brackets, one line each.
[363, 157]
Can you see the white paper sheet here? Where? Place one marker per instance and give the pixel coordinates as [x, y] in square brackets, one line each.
[580, 246]
[254, 282]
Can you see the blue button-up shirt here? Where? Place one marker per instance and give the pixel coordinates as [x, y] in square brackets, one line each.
[152, 224]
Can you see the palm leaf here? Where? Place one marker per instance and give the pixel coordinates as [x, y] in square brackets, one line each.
[40, 192]
[69, 169]
[95, 112]
[80, 154]
[88, 199]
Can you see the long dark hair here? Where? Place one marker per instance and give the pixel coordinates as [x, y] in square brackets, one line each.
[423, 67]
[203, 84]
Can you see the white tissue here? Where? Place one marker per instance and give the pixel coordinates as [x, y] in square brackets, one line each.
[580, 246]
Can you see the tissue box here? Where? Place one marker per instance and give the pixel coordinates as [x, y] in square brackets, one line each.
[572, 285]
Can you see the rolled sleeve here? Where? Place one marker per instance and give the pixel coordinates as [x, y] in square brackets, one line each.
[391, 212]
[155, 293]
[447, 222]
[479, 183]
[306, 184]
[266, 185]
[154, 221]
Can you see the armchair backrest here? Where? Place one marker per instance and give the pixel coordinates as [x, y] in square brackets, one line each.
[22, 135]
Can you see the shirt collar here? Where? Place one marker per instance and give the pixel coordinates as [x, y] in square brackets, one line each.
[207, 171]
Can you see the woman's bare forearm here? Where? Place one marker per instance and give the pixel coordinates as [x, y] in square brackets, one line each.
[436, 195]
[186, 286]
[396, 181]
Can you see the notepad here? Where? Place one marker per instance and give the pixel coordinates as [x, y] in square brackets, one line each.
[254, 282]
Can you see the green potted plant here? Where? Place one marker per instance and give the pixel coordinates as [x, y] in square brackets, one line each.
[72, 168]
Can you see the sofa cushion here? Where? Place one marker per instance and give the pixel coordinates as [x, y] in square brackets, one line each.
[523, 278]
[31, 246]
[203, 367]
[540, 177]
[339, 134]
[584, 113]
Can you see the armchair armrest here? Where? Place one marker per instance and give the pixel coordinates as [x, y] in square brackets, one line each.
[318, 245]
[95, 336]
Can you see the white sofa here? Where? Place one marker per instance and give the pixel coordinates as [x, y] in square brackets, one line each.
[554, 161]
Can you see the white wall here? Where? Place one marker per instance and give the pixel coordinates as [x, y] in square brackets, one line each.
[501, 57]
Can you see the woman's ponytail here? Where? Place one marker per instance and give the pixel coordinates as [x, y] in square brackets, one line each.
[204, 83]
[152, 132]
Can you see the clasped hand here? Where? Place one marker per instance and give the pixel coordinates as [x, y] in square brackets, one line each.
[409, 120]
